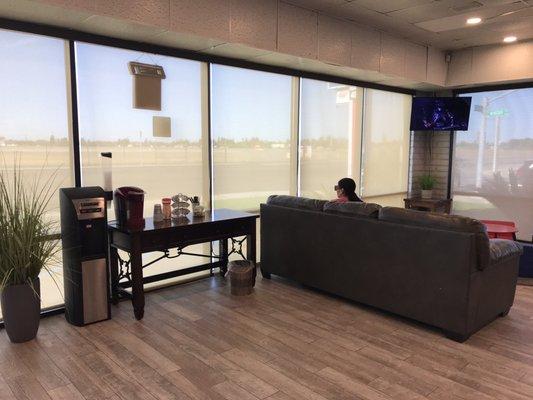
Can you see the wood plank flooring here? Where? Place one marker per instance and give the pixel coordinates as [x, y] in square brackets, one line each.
[283, 342]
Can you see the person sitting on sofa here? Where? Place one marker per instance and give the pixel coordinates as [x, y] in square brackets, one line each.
[345, 189]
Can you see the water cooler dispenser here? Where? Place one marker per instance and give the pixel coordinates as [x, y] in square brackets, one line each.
[84, 238]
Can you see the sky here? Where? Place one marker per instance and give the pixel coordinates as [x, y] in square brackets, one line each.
[105, 95]
[33, 87]
[245, 103]
[321, 115]
[516, 124]
[33, 105]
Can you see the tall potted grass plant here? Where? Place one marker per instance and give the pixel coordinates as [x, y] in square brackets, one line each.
[25, 248]
[427, 182]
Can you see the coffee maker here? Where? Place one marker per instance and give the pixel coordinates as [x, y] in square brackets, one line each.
[129, 206]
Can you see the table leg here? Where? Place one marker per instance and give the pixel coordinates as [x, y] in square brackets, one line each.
[113, 271]
[251, 244]
[223, 252]
[251, 250]
[137, 276]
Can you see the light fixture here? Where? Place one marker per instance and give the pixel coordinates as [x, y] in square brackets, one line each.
[473, 21]
[509, 39]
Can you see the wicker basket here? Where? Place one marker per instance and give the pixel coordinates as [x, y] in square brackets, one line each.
[242, 277]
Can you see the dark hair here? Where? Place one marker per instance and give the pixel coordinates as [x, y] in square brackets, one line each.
[348, 185]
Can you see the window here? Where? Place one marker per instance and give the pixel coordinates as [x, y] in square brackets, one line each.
[108, 123]
[34, 122]
[330, 136]
[251, 130]
[270, 133]
[385, 151]
[493, 160]
[161, 166]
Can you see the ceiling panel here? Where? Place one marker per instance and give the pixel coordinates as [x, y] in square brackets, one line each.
[515, 27]
[184, 41]
[385, 6]
[491, 3]
[319, 5]
[103, 25]
[488, 14]
[434, 10]
[440, 23]
[383, 22]
[235, 50]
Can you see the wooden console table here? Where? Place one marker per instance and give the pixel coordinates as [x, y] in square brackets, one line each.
[218, 225]
[434, 205]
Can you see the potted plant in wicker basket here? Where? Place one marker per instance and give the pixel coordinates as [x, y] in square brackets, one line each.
[25, 249]
[427, 182]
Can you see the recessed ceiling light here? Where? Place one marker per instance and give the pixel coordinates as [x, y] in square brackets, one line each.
[473, 21]
[509, 39]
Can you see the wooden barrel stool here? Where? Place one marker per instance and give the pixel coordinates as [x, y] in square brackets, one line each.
[242, 277]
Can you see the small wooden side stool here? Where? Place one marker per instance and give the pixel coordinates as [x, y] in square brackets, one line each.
[242, 277]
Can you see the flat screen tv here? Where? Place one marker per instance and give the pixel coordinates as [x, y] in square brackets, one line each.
[440, 113]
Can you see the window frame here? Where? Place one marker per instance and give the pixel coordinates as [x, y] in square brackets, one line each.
[362, 155]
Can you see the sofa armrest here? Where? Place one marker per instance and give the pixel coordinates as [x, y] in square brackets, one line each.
[502, 248]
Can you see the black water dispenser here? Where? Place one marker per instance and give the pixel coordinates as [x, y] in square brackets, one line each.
[85, 258]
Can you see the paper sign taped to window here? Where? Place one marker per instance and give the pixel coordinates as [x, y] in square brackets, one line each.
[161, 127]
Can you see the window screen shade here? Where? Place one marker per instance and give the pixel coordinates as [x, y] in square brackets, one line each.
[493, 160]
[148, 150]
[385, 154]
[34, 127]
[330, 136]
[251, 133]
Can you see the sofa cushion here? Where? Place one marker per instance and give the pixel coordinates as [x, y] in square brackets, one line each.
[301, 203]
[353, 208]
[456, 223]
[435, 220]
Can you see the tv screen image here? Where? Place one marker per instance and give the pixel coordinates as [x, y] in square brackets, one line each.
[440, 113]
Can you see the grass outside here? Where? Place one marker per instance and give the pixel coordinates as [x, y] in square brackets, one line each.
[471, 203]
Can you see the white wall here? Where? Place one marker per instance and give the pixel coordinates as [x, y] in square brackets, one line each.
[491, 65]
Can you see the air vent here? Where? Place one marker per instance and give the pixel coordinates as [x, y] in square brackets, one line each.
[466, 7]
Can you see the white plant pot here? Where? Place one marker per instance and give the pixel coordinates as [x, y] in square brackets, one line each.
[427, 194]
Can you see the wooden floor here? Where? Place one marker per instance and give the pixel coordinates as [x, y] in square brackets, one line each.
[283, 342]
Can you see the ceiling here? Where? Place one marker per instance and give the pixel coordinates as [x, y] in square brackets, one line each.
[71, 18]
[441, 23]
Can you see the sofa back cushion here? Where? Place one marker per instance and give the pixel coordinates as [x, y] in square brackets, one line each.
[301, 203]
[455, 223]
[353, 208]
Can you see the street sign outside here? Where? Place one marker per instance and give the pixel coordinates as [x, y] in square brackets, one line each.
[498, 113]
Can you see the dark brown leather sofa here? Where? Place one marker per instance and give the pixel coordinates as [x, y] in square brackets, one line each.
[438, 269]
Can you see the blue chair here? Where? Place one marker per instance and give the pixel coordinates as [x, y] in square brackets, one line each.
[526, 261]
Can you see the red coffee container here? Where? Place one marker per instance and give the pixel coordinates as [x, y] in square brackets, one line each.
[129, 206]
